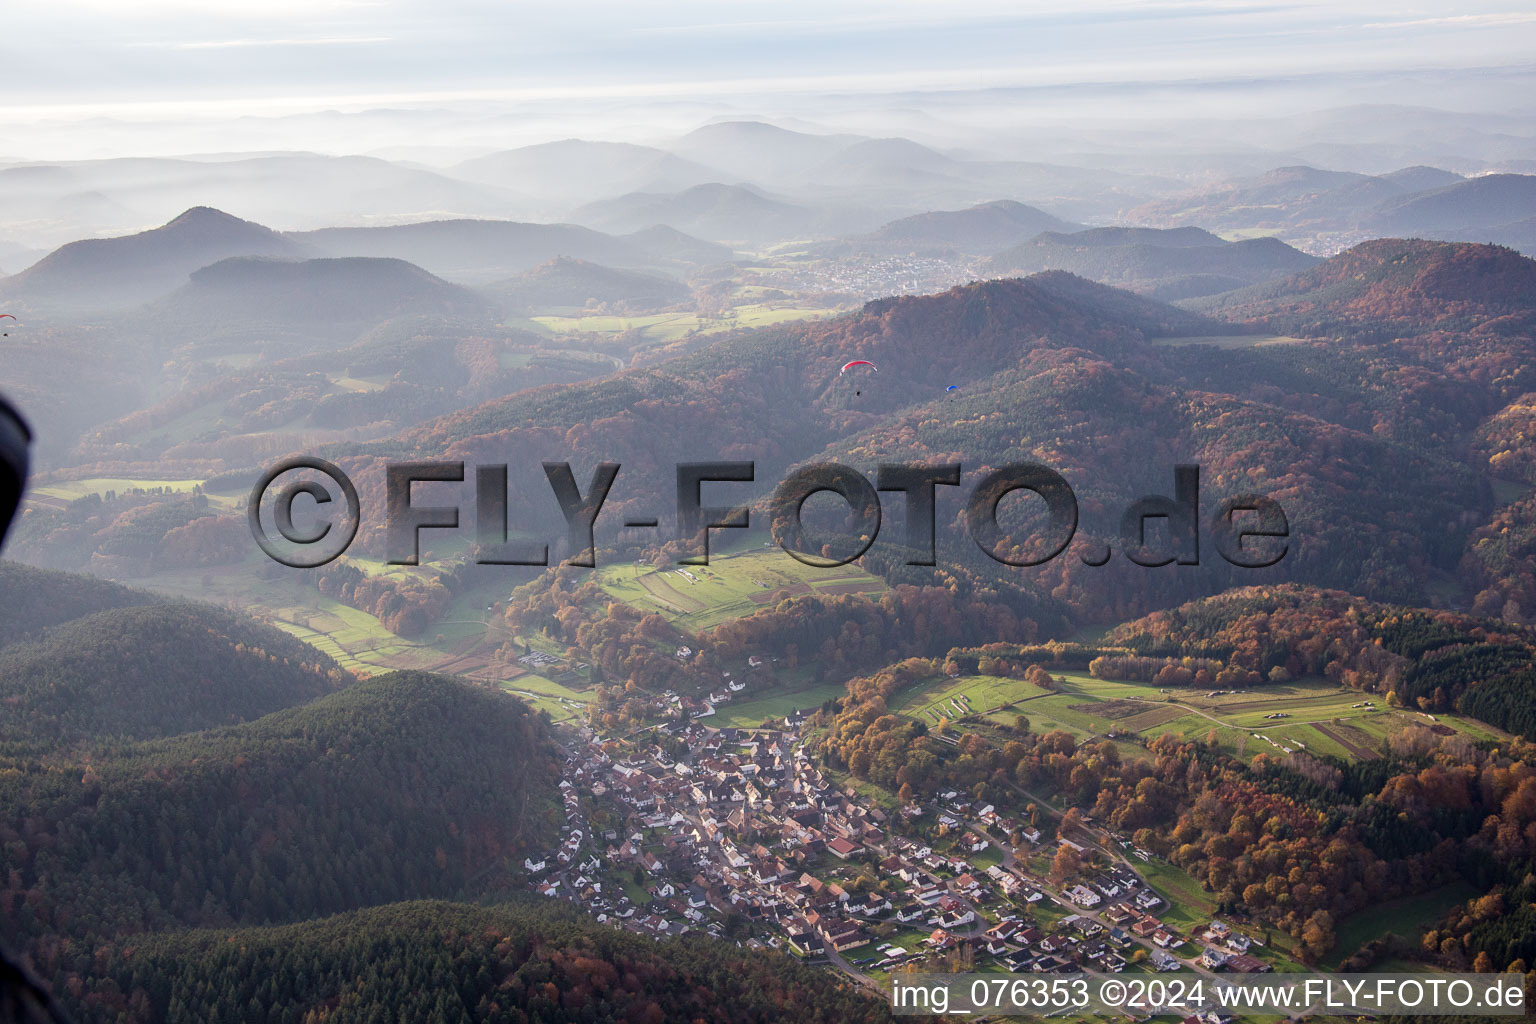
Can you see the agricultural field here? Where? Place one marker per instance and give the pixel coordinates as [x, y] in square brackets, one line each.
[1307, 715]
[699, 597]
[944, 697]
[70, 490]
[752, 713]
[661, 328]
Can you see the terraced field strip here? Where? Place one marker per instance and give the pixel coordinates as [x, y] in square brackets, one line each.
[1363, 753]
[1153, 717]
[661, 589]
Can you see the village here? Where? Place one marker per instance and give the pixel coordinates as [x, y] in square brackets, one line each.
[736, 833]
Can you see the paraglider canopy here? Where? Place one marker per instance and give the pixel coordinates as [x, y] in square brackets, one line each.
[6, 316]
[953, 387]
[857, 362]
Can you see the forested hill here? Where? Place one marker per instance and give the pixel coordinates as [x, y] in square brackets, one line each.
[1435, 661]
[151, 671]
[33, 599]
[1409, 284]
[404, 786]
[1335, 420]
[439, 962]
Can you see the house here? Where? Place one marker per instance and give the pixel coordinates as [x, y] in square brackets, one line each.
[1246, 964]
[957, 918]
[841, 848]
[804, 937]
[1212, 958]
[845, 935]
[1084, 896]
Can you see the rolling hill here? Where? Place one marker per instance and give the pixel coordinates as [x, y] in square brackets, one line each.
[151, 671]
[399, 787]
[36, 599]
[536, 961]
[1481, 209]
[982, 229]
[720, 213]
[573, 170]
[1413, 284]
[758, 152]
[115, 273]
[562, 283]
[478, 251]
[1168, 264]
[1296, 198]
[319, 293]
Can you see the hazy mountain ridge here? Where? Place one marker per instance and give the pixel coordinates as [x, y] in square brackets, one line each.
[577, 283]
[481, 251]
[1168, 264]
[980, 229]
[105, 273]
[716, 212]
[307, 294]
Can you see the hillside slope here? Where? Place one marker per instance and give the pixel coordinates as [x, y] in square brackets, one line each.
[151, 671]
[516, 961]
[115, 273]
[403, 786]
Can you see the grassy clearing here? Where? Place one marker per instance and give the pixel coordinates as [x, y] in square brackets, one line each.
[980, 693]
[751, 714]
[701, 597]
[1407, 917]
[70, 490]
[661, 328]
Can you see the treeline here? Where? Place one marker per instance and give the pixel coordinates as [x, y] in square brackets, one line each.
[1199, 672]
[1427, 660]
[441, 963]
[836, 634]
[405, 604]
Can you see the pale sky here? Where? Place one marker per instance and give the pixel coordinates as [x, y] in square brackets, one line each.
[167, 60]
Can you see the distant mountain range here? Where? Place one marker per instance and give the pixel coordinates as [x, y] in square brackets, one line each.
[720, 213]
[979, 230]
[1413, 202]
[482, 251]
[1169, 264]
[106, 274]
[564, 282]
[575, 170]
